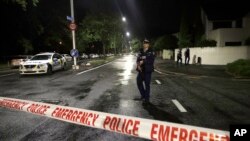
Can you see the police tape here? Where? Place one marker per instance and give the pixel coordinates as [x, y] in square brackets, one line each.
[133, 126]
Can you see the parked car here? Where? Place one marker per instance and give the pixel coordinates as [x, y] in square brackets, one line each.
[43, 63]
[94, 56]
[67, 57]
[84, 56]
[16, 60]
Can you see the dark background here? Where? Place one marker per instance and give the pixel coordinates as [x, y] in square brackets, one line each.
[145, 18]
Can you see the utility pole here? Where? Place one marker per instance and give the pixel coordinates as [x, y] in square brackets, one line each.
[75, 66]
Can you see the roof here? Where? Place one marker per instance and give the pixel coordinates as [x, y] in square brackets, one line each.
[46, 53]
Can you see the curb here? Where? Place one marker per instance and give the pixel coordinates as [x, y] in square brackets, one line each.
[92, 67]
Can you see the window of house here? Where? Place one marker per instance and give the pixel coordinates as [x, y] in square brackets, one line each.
[239, 23]
[232, 43]
[222, 24]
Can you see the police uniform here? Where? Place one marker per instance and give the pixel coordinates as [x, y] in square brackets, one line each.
[144, 75]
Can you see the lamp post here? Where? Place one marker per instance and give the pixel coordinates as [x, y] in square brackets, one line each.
[75, 66]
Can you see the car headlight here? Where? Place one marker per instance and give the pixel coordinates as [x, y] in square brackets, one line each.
[42, 66]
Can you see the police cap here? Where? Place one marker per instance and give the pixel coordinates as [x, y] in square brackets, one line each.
[145, 41]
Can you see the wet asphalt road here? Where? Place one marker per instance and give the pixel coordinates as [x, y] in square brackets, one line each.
[209, 101]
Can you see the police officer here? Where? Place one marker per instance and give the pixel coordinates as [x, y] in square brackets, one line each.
[145, 67]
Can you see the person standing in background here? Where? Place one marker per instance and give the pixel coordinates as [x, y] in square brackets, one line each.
[187, 56]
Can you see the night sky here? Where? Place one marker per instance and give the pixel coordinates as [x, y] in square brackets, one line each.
[145, 18]
[152, 18]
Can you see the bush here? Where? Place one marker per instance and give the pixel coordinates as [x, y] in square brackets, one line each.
[240, 67]
[207, 43]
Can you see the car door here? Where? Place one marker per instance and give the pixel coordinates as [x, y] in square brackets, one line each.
[56, 62]
[61, 60]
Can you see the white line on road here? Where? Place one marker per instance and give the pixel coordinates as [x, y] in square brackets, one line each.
[93, 68]
[178, 105]
[158, 82]
[7, 74]
[158, 71]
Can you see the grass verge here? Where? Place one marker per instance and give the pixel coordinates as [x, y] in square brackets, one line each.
[239, 68]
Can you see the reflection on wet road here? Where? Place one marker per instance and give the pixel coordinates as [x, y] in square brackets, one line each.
[127, 67]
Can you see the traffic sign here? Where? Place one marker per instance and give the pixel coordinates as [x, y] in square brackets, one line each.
[74, 53]
[70, 18]
[72, 26]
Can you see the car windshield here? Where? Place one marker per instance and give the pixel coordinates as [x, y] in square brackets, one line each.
[41, 57]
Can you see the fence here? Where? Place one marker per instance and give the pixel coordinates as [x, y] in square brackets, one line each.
[216, 55]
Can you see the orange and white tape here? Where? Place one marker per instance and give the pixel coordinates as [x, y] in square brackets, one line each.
[138, 127]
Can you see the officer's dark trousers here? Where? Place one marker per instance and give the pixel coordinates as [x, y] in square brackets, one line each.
[146, 78]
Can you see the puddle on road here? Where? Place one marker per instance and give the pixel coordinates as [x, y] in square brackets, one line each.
[55, 102]
[55, 84]
[81, 90]
[80, 97]
[36, 93]
[159, 114]
[127, 103]
[108, 101]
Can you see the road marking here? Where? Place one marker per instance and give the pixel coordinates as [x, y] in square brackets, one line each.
[178, 105]
[93, 68]
[158, 82]
[194, 77]
[168, 73]
[158, 71]
[7, 74]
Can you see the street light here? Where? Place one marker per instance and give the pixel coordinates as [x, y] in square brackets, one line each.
[124, 19]
[128, 34]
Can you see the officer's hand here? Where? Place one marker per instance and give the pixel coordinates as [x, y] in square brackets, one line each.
[143, 57]
[141, 62]
[139, 68]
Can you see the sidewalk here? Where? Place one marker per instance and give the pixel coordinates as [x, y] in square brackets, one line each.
[170, 66]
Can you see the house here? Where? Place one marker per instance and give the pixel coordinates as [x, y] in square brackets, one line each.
[228, 28]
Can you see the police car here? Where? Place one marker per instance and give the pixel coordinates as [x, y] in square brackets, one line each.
[43, 63]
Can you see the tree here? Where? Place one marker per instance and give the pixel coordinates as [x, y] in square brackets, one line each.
[45, 33]
[26, 45]
[198, 28]
[99, 27]
[166, 42]
[135, 44]
[184, 36]
[23, 3]
[191, 28]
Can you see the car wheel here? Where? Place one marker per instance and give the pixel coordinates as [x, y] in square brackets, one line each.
[49, 70]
